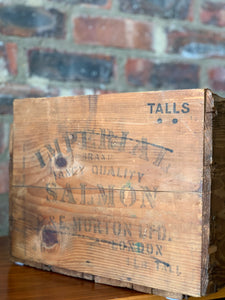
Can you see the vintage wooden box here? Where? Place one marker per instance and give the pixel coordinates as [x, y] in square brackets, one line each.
[125, 189]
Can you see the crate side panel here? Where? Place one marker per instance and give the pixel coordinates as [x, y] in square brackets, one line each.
[108, 181]
[217, 248]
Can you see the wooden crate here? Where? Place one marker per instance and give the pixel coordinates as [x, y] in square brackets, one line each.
[124, 189]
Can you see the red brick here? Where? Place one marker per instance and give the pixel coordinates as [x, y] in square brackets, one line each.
[141, 72]
[27, 21]
[196, 44]
[11, 52]
[8, 56]
[217, 78]
[64, 66]
[4, 136]
[4, 177]
[138, 71]
[106, 4]
[213, 13]
[178, 9]
[175, 76]
[120, 33]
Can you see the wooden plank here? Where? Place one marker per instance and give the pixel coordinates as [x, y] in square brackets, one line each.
[115, 187]
[169, 295]
[217, 234]
[21, 282]
[143, 297]
[206, 198]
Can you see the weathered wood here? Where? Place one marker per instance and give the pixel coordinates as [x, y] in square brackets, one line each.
[167, 294]
[217, 248]
[117, 188]
[21, 282]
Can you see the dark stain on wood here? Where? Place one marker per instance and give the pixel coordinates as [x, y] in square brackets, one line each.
[49, 237]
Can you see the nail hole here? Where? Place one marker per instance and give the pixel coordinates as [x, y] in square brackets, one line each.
[49, 237]
[159, 121]
[61, 162]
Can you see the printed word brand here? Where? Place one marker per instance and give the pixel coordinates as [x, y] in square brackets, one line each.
[101, 140]
[169, 108]
[102, 196]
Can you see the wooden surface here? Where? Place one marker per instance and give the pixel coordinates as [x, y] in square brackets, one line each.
[26, 283]
[111, 187]
[21, 282]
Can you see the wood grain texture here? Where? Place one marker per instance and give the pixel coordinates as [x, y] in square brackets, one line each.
[115, 188]
[207, 186]
[21, 282]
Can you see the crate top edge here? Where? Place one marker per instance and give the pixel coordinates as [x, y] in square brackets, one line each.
[18, 101]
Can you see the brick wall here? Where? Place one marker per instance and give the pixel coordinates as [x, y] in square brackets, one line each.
[72, 47]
